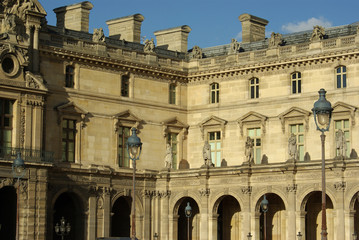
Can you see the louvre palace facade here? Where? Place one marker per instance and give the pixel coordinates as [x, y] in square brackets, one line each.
[220, 128]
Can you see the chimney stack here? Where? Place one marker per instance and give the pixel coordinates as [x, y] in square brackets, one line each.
[174, 39]
[253, 28]
[74, 17]
[128, 28]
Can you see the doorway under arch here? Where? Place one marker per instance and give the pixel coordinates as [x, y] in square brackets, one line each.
[68, 205]
[121, 218]
[8, 208]
[229, 220]
[192, 223]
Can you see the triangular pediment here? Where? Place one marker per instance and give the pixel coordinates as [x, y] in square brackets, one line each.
[252, 117]
[212, 121]
[35, 81]
[38, 7]
[128, 116]
[339, 107]
[174, 122]
[71, 108]
[294, 112]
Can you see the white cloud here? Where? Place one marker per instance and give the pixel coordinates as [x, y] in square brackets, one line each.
[239, 36]
[306, 25]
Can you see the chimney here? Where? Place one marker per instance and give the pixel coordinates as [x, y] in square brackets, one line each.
[174, 39]
[128, 28]
[74, 17]
[253, 28]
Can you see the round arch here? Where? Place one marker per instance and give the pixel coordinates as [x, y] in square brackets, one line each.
[186, 227]
[259, 196]
[303, 197]
[216, 198]
[174, 202]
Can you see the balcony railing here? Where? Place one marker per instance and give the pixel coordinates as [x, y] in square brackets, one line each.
[29, 155]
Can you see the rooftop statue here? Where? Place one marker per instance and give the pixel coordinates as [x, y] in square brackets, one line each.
[197, 52]
[275, 40]
[234, 46]
[149, 46]
[317, 34]
[98, 35]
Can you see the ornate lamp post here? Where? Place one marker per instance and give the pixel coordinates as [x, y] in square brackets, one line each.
[249, 236]
[18, 171]
[134, 148]
[188, 213]
[264, 206]
[62, 229]
[299, 236]
[322, 112]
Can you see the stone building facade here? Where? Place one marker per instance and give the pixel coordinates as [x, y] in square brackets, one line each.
[68, 99]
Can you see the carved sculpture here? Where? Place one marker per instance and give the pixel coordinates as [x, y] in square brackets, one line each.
[169, 157]
[275, 40]
[249, 151]
[207, 154]
[317, 34]
[234, 46]
[149, 46]
[292, 147]
[340, 143]
[197, 52]
[98, 35]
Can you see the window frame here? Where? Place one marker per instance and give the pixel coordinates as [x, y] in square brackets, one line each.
[123, 161]
[348, 129]
[253, 88]
[257, 159]
[69, 76]
[125, 86]
[4, 128]
[341, 80]
[297, 136]
[297, 82]
[214, 93]
[67, 140]
[174, 150]
[214, 150]
[172, 90]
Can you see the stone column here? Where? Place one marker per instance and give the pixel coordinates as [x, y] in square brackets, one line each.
[291, 220]
[147, 215]
[204, 214]
[340, 217]
[166, 230]
[213, 227]
[37, 127]
[246, 212]
[107, 211]
[36, 60]
[91, 225]
[173, 227]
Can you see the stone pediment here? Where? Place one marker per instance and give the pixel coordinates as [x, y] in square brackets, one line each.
[294, 113]
[344, 108]
[252, 117]
[126, 118]
[72, 110]
[35, 81]
[173, 124]
[213, 121]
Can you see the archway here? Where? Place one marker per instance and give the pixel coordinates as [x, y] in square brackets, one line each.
[229, 221]
[121, 218]
[313, 218]
[69, 206]
[192, 223]
[356, 214]
[8, 210]
[275, 218]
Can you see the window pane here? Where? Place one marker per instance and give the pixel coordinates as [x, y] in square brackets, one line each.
[300, 138]
[294, 87]
[338, 125]
[252, 91]
[301, 128]
[344, 80]
[339, 85]
[258, 155]
[346, 123]
[257, 92]
[344, 69]
[299, 86]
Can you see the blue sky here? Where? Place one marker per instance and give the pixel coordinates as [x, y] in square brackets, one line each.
[216, 22]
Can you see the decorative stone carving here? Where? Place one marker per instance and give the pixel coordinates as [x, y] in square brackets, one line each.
[22, 126]
[163, 194]
[247, 190]
[6, 182]
[291, 188]
[340, 186]
[149, 46]
[249, 151]
[234, 47]
[197, 52]
[98, 35]
[275, 40]
[340, 144]
[292, 148]
[317, 34]
[205, 192]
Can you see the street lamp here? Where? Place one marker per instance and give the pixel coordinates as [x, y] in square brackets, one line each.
[62, 229]
[264, 206]
[134, 148]
[188, 213]
[322, 112]
[299, 236]
[18, 171]
[249, 236]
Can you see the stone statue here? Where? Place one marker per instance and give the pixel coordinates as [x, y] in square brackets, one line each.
[292, 147]
[149, 46]
[275, 40]
[169, 157]
[317, 34]
[207, 154]
[197, 52]
[98, 35]
[249, 151]
[234, 46]
[341, 144]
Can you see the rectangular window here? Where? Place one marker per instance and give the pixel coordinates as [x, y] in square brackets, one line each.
[254, 88]
[6, 116]
[172, 94]
[255, 135]
[70, 73]
[68, 140]
[216, 147]
[123, 135]
[298, 131]
[214, 93]
[172, 140]
[344, 126]
[341, 73]
[125, 82]
[296, 79]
